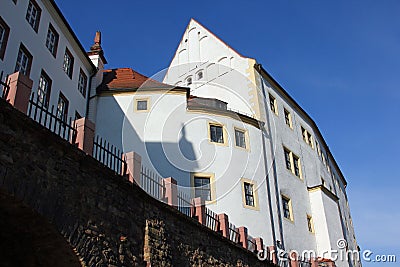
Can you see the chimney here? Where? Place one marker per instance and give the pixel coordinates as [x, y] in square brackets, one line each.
[96, 53]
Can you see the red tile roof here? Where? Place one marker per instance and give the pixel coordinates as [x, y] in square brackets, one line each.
[127, 79]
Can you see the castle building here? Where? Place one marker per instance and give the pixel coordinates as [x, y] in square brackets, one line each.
[229, 133]
[218, 123]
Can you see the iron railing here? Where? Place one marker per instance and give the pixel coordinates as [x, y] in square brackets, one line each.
[109, 155]
[234, 234]
[152, 183]
[49, 119]
[185, 204]
[212, 220]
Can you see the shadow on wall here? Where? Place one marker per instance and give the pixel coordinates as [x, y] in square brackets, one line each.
[168, 159]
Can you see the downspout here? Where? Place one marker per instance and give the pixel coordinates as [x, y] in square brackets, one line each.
[258, 67]
[90, 89]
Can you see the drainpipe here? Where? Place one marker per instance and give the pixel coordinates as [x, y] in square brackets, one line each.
[258, 67]
[90, 88]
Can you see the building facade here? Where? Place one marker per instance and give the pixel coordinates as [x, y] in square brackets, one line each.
[219, 124]
[37, 41]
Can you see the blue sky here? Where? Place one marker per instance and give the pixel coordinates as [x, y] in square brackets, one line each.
[339, 59]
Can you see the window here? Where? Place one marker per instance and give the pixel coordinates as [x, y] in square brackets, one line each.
[272, 104]
[310, 224]
[62, 108]
[44, 89]
[288, 118]
[24, 61]
[292, 162]
[202, 188]
[52, 40]
[318, 148]
[307, 137]
[287, 208]
[217, 133]
[68, 63]
[288, 161]
[82, 83]
[240, 138]
[199, 75]
[33, 15]
[296, 164]
[4, 32]
[248, 194]
[141, 104]
[189, 81]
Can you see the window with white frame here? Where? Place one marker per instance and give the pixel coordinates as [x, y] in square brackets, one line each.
[202, 187]
[68, 64]
[292, 162]
[216, 133]
[52, 40]
[82, 83]
[189, 81]
[33, 14]
[200, 75]
[44, 89]
[240, 138]
[24, 61]
[4, 32]
[62, 107]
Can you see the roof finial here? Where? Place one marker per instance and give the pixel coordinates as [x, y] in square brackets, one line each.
[96, 47]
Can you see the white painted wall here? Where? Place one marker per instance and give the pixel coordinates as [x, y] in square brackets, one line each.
[21, 31]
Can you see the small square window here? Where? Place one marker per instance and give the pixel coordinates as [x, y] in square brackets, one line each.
[52, 40]
[216, 133]
[142, 104]
[202, 188]
[272, 104]
[68, 64]
[287, 208]
[44, 89]
[310, 224]
[240, 138]
[33, 15]
[24, 61]
[288, 118]
[82, 83]
[4, 32]
[62, 108]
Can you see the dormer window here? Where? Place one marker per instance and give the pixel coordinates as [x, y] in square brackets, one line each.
[199, 75]
[189, 81]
